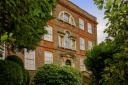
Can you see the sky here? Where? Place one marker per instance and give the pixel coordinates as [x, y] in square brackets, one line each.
[90, 7]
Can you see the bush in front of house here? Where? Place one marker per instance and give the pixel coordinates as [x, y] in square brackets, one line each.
[51, 74]
[18, 61]
[10, 73]
[26, 77]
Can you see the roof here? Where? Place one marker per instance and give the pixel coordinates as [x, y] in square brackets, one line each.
[77, 9]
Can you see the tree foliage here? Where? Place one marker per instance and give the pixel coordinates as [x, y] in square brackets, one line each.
[108, 64]
[16, 60]
[10, 73]
[25, 20]
[57, 75]
[116, 12]
[109, 60]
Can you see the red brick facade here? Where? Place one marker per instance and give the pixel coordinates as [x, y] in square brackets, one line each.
[76, 32]
[61, 54]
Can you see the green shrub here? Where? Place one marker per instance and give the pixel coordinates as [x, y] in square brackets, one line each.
[57, 75]
[15, 59]
[26, 78]
[19, 62]
[10, 73]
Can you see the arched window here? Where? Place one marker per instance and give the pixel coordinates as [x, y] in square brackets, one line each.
[68, 63]
[67, 40]
[67, 17]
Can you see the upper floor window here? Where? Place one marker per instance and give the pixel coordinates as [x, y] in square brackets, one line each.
[73, 44]
[61, 41]
[89, 44]
[49, 35]
[48, 57]
[82, 44]
[89, 28]
[67, 17]
[81, 24]
[67, 40]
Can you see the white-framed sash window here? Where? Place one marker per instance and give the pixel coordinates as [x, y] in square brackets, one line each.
[81, 23]
[49, 35]
[48, 57]
[82, 44]
[29, 60]
[90, 28]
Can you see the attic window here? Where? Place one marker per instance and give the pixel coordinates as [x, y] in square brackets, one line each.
[66, 17]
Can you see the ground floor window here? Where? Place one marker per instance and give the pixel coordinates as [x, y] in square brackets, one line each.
[68, 62]
[48, 57]
[82, 66]
[29, 60]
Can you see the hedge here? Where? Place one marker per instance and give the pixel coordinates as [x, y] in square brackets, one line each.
[51, 74]
[10, 73]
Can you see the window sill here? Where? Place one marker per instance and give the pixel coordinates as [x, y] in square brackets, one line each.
[48, 41]
[67, 49]
[66, 22]
[82, 50]
[82, 29]
[90, 33]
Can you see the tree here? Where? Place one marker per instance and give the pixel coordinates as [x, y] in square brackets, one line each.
[105, 65]
[116, 13]
[25, 20]
[57, 75]
[16, 60]
[108, 60]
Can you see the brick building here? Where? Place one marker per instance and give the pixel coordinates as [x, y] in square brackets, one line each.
[71, 33]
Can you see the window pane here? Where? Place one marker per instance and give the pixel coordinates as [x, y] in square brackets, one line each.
[73, 44]
[89, 28]
[29, 60]
[48, 57]
[61, 41]
[67, 42]
[89, 44]
[82, 44]
[66, 17]
[81, 24]
[49, 34]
